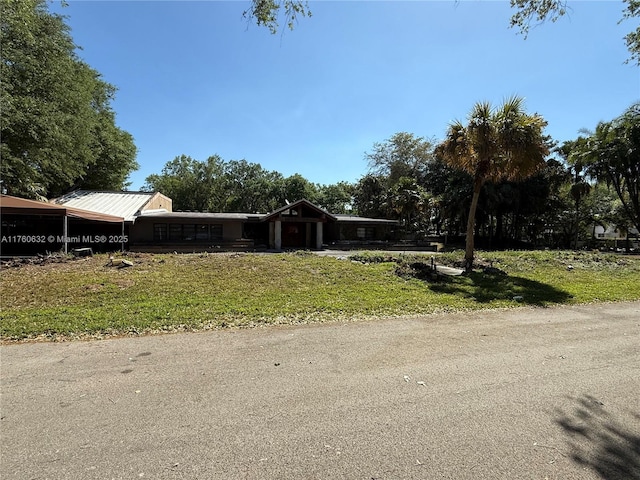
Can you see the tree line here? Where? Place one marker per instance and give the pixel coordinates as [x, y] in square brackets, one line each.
[216, 185]
[521, 185]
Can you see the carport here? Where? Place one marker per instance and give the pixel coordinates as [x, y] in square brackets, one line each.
[30, 224]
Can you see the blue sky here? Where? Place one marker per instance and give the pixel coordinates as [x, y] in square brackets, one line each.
[194, 78]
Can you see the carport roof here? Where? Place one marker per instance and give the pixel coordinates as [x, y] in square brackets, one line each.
[23, 206]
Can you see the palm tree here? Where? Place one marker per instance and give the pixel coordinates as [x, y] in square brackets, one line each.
[578, 191]
[612, 154]
[496, 144]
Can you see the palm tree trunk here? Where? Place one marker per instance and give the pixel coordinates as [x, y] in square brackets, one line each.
[471, 221]
[575, 246]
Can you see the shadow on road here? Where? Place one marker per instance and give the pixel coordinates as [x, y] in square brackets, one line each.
[609, 446]
[484, 288]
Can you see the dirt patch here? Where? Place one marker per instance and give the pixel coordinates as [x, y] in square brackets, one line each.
[60, 259]
[37, 260]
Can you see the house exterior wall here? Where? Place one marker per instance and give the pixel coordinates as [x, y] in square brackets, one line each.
[307, 234]
[142, 231]
[358, 232]
[157, 202]
[297, 225]
[196, 233]
[612, 233]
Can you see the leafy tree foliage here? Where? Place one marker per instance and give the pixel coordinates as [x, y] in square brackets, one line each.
[191, 184]
[611, 154]
[297, 187]
[336, 198]
[411, 202]
[216, 185]
[451, 191]
[496, 144]
[266, 13]
[114, 152]
[251, 188]
[58, 128]
[371, 197]
[402, 155]
[394, 186]
[539, 11]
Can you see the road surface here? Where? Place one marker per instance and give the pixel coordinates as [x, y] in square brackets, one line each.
[508, 394]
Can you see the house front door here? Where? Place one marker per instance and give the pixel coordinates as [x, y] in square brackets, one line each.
[294, 235]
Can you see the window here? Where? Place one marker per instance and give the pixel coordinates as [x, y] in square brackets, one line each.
[175, 232]
[178, 232]
[159, 231]
[216, 232]
[202, 232]
[366, 233]
[189, 232]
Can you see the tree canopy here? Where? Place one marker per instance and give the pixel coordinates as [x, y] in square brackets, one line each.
[402, 155]
[216, 185]
[191, 184]
[611, 154]
[58, 127]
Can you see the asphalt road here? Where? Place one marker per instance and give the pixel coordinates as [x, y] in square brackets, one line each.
[513, 394]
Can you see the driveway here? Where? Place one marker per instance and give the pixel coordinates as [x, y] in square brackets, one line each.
[506, 394]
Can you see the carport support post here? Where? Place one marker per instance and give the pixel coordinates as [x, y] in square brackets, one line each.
[278, 235]
[122, 238]
[319, 236]
[65, 233]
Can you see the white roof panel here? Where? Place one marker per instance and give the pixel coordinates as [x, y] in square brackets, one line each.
[121, 204]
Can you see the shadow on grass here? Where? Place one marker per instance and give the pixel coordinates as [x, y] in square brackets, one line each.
[607, 445]
[484, 288]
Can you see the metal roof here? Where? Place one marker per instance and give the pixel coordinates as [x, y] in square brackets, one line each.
[121, 204]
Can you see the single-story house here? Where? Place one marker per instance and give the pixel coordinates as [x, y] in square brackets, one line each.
[146, 222]
[298, 225]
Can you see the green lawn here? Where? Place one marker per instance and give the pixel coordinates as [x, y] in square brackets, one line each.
[180, 292]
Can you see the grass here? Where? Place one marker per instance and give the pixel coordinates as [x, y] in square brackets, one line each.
[83, 297]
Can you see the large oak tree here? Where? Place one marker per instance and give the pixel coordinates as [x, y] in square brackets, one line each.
[58, 127]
